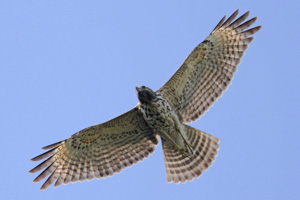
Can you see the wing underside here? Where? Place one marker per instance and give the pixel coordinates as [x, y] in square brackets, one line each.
[97, 151]
[208, 70]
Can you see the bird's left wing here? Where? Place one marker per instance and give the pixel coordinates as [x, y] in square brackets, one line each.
[97, 151]
[208, 70]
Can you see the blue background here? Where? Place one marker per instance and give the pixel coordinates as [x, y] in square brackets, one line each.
[66, 65]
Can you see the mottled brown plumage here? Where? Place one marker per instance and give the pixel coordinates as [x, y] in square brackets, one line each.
[181, 168]
[208, 70]
[104, 149]
[97, 151]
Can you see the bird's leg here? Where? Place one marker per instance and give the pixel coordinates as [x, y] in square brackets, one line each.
[187, 145]
[171, 139]
[188, 151]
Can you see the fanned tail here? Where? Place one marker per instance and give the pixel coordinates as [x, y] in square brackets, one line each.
[182, 168]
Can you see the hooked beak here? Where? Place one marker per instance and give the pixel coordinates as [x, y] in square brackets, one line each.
[138, 88]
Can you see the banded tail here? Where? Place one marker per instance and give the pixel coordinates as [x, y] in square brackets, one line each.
[181, 168]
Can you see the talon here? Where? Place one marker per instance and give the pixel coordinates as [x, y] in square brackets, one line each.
[189, 148]
[185, 153]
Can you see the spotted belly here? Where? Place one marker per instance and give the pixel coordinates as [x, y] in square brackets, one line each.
[163, 120]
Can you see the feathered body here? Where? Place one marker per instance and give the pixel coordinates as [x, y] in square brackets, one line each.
[107, 148]
[187, 151]
[160, 116]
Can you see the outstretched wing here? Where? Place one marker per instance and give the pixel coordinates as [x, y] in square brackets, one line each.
[209, 68]
[97, 151]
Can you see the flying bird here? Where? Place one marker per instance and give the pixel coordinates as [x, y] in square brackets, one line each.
[107, 148]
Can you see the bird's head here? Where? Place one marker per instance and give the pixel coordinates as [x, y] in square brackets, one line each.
[145, 94]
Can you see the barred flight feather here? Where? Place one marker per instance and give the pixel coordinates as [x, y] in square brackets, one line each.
[209, 68]
[181, 168]
[94, 153]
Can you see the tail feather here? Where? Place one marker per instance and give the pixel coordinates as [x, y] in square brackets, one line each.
[182, 168]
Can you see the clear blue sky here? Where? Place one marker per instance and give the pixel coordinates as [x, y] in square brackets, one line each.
[66, 65]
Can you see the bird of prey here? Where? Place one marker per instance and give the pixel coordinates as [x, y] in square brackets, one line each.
[107, 148]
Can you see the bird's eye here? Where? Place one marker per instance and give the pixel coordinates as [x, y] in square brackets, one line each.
[143, 87]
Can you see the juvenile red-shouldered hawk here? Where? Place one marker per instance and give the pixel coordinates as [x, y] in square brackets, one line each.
[104, 149]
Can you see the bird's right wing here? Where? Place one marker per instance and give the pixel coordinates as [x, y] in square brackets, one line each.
[208, 70]
[97, 151]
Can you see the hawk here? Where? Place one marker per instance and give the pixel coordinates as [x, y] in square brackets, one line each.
[107, 148]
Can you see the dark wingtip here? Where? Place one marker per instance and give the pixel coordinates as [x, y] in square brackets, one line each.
[230, 18]
[257, 28]
[35, 181]
[42, 188]
[35, 158]
[254, 19]
[220, 23]
[247, 13]
[52, 145]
